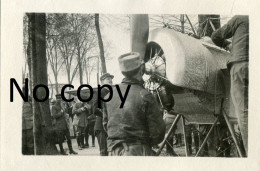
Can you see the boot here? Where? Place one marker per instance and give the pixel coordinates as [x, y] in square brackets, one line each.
[72, 151]
[93, 141]
[86, 139]
[62, 152]
[70, 148]
[79, 143]
[82, 141]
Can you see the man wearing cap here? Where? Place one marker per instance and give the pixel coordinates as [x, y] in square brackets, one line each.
[82, 111]
[135, 128]
[99, 130]
[61, 125]
[237, 28]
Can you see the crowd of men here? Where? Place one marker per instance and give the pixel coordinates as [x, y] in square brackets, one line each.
[138, 127]
[86, 121]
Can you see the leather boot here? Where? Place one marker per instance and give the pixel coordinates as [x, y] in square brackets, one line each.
[82, 141]
[72, 151]
[79, 143]
[62, 152]
[70, 148]
[86, 145]
[93, 141]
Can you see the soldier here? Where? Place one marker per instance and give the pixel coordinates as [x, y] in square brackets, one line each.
[238, 28]
[61, 125]
[81, 111]
[99, 130]
[135, 128]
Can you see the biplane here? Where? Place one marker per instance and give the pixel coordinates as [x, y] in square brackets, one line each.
[189, 71]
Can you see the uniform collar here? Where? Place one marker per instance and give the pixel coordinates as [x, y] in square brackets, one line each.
[132, 81]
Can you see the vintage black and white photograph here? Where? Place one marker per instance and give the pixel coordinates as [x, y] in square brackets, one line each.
[167, 85]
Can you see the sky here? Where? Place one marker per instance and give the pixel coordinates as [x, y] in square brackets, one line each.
[119, 37]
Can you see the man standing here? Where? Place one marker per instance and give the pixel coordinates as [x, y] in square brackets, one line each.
[135, 128]
[238, 28]
[61, 125]
[99, 130]
[82, 111]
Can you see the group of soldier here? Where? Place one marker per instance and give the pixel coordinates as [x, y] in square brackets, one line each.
[131, 130]
[139, 126]
[86, 121]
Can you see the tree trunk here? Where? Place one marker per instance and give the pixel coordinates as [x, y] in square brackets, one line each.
[100, 43]
[205, 28]
[42, 128]
[56, 83]
[68, 76]
[80, 68]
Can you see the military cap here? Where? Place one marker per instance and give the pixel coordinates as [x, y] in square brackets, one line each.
[130, 61]
[105, 76]
[58, 96]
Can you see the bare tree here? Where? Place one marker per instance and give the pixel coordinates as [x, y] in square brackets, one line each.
[84, 38]
[71, 40]
[54, 58]
[100, 43]
[66, 46]
[90, 64]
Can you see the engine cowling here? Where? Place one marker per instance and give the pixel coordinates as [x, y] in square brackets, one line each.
[189, 63]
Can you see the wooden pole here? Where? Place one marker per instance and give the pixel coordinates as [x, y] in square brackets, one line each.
[182, 22]
[233, 135]
[206, 138]
[184, 135]
[213, 27]
[194, 31]
[168, 134]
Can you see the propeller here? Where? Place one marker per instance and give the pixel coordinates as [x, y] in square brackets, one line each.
[155, 66]
[139, 26]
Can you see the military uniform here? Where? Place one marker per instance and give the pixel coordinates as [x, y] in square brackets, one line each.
[238, 28]
[135, 128]
[61, 126]
[100, 133]
[82, 112]
[99, 129]
[90, 130]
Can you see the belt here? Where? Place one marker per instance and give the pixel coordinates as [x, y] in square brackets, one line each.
[127, 144]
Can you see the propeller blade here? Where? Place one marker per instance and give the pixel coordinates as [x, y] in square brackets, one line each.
[139, 24]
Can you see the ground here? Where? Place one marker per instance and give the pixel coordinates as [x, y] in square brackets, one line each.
[94, 151]
[91, 151]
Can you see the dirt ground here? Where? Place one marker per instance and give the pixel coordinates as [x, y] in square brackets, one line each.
[94, 151]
